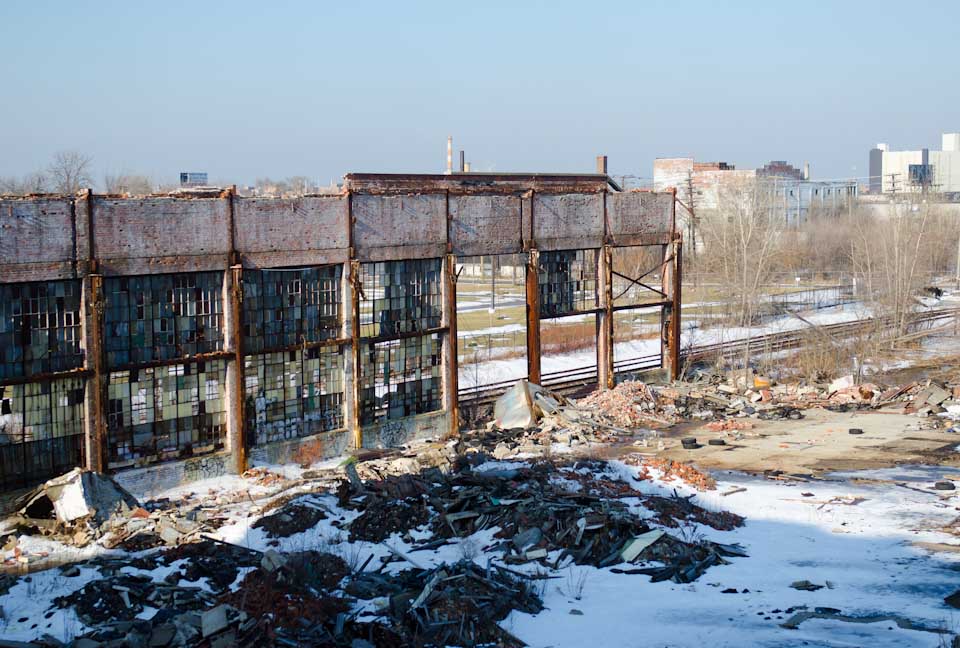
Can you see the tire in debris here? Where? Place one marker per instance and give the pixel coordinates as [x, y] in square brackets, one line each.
[717, 442]
[689, 443]
[944, 486]
[856, 431]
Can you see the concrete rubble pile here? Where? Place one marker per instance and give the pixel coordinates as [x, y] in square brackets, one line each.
[529, 418]
[543, 513]
[77, 507]
[81, 507]
[205, 592]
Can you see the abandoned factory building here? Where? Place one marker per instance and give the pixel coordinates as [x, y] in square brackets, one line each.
[177, 336]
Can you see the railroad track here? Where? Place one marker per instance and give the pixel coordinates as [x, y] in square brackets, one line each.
[580, 379]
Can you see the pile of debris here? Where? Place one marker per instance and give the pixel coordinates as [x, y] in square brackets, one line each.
[544, 512]
[76, 507]
[451, 605]
[631, 404]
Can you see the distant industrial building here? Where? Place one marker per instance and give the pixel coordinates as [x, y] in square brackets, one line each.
[193, 179]
[700, 185]
[893, 172]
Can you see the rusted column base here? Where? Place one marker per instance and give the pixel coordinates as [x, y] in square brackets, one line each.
[533, 317]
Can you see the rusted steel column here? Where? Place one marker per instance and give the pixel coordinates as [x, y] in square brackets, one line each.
[353, 392]
[450, 360]
[670, 315]
[95, 414]
[533, 316]
[676, 306]
[347, 350]
[605, 370]
[236, 396]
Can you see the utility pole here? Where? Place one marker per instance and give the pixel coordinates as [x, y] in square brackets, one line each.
[893, 184]
[692, 250]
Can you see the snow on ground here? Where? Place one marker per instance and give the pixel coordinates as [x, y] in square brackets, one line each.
[862, 549]
[857, 536]
[492, 371]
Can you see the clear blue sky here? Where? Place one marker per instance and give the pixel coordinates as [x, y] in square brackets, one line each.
[250, 89]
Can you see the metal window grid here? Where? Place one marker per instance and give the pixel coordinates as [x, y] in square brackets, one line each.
[165, 412]
[400, 378]
[41, 430]
[283, 308]
[568, 282]
[162, 317]
[291, 394]
[39, 328]
[400, 297]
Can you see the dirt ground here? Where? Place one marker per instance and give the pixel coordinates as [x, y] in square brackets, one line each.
[819, 443]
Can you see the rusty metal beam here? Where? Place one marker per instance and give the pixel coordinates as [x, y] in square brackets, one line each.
[97, 436]
[676, 308]
[484, 183]
[451, 364]
[237, 399]
[47, 377]
[605, 373]
[356, 285]
[533, 317]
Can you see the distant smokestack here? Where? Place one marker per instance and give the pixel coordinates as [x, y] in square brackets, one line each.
[602, 164]
[806, 170]
[463, 157]
[466, 167]
[449, 154]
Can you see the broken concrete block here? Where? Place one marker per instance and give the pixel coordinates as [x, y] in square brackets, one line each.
[272, 560]
[841, 383]
[502, 451]
[74, 498]
[515, 408]
[213, 620]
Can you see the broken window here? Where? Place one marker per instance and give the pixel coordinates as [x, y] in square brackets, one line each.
[39, 328]
[290, 394]
[400, 297]
[399, 369]
[491, 320]
[568, 282]
[41, 430]
[284, 308]
[162, 317]
[400, 378]
[157, 413]
[293, 386]
[637, 274]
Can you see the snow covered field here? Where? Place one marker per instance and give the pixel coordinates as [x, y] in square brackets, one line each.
[492, 371]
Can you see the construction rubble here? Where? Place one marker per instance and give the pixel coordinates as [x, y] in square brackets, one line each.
[543, 518]
[529, 417]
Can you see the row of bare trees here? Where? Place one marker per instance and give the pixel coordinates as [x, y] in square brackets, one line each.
[68, 172]
[890, 254]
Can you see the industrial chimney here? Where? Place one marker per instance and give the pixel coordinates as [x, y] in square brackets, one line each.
[806, 170]
[449, 155]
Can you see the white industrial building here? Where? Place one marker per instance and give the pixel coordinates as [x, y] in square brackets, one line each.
[916, 171]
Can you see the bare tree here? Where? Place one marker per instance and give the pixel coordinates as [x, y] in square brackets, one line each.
[298, 185]
[125, 183]
[70, 171]
[894, 257]
[32, 183]
[743, 238]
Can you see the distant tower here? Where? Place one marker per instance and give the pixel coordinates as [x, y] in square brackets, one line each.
[449, 155]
